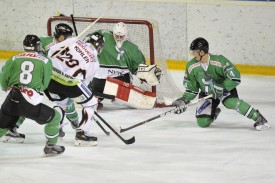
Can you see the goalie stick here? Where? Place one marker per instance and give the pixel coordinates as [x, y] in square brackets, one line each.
[126, 141]
[161, 115]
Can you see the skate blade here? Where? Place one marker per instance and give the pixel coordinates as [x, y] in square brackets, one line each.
[44, 155]
[13, 140]
[85, 143]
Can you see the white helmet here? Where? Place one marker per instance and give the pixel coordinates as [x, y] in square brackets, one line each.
[120, 33]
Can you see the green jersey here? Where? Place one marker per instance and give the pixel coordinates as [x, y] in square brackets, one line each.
[116, 61]
[46, 43]
[29, 69]
[220, 70]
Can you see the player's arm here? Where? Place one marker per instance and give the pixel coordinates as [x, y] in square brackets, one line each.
[137, 58]
[191, 91]
[231, 73]
[191, 87]
[47, 74]
[4, 76]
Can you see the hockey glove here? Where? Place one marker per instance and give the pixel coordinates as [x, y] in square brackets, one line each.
[181, 105]
[217, 90]
[151, 74]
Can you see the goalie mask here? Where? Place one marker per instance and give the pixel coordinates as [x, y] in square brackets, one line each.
[63, 29]
[120, 33]
[97, 40]
[32, 43]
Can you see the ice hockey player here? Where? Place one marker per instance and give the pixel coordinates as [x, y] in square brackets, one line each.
[62, 32]
[74, 65]
[212, 74]
[121, 59]
[25, 77]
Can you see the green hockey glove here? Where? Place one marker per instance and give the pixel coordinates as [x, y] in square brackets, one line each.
[217, 90]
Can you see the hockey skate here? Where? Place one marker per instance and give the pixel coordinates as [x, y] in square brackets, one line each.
[53, 149]
[13, 136]
[261, 124]
[84, 139]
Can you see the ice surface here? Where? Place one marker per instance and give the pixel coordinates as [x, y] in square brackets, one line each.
[171, 149]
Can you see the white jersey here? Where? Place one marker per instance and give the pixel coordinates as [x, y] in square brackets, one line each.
[77, 63]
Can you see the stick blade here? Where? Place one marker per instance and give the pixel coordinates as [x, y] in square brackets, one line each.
[130, 141]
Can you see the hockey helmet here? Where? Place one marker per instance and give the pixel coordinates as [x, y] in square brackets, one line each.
[32, 43]
[63, 29]
[120, 33]
[97, 40]
[200, 44]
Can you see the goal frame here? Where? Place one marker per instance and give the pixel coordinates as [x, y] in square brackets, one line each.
[110, 20]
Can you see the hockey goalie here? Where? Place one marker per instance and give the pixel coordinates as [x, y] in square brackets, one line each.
[121, 65]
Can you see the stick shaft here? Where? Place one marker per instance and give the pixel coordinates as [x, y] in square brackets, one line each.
[161, 115]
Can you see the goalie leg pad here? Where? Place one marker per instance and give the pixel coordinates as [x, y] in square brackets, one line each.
[129, 94]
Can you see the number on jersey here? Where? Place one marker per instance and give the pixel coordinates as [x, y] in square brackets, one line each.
[26, 74]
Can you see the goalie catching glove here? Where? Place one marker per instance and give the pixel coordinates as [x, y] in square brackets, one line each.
[181, 104]
[149, 73]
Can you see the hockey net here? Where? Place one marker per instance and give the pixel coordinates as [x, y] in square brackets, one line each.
[141, 32]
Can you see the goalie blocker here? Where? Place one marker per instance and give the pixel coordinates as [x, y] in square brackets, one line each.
[129, 94]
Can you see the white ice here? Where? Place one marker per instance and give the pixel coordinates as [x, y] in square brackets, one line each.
[171, 149]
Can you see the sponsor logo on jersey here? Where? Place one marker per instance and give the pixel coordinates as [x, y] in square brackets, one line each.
[197, 64]
[31, 55]
[216, 63]
[83, 51]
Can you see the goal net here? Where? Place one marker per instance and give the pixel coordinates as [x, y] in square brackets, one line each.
[141, 32]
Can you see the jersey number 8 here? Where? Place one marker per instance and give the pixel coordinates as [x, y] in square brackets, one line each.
[26, 74]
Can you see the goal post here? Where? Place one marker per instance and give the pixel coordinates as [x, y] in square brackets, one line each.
[144, 34]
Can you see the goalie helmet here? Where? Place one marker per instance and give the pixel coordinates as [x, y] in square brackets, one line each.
[200, 44]
[63, 29]
[97, 40]
[120, 33]
[32, 43]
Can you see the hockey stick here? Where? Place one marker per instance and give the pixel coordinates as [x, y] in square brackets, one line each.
[75, 30]
[126, 141]
[102, 128]
[161, 115]
[76, 38]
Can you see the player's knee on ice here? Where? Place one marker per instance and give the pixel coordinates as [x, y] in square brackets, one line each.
[204, 121]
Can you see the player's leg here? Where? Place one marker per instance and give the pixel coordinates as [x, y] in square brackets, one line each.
[45, 115]
[8, 117]
[13, 135]
[89, 104]
[59, 94]
[207, 111]
[71, 113]
[231, 101]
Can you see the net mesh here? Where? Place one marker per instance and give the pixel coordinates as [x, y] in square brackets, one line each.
[145, 35]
